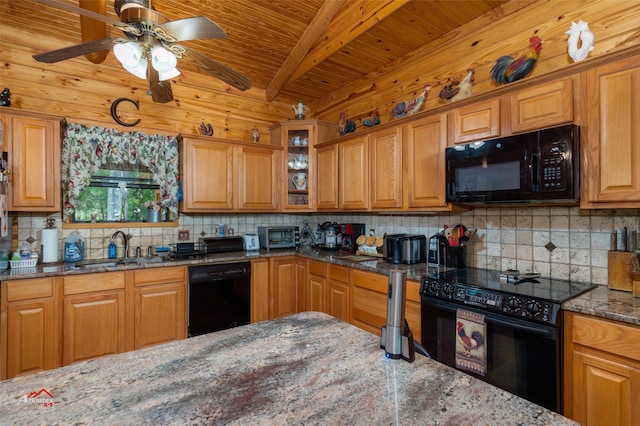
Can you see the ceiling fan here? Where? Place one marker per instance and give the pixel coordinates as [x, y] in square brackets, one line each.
[150, 49]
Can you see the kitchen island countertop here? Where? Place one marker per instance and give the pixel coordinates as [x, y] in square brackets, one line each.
[307, 368]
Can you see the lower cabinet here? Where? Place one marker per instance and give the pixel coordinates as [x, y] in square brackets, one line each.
[259, 290]
[601, 371]
[29, 337]
[93, 316]
[317, 286]
[160, 306]
[339, 293]
[283, 286]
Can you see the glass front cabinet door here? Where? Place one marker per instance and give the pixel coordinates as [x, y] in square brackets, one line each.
[298, 139]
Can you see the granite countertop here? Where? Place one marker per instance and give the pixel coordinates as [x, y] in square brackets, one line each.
[307, 368]
[601, 302]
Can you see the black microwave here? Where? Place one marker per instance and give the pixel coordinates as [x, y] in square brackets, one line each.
[534, 167]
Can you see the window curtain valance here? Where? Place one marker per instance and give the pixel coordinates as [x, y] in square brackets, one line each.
[85, 149]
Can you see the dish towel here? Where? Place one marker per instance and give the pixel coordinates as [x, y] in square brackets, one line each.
[471, 348]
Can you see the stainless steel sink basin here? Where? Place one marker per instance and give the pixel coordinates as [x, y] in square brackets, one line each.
[92, 264]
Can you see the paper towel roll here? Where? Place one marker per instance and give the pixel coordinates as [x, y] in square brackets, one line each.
[49, 245]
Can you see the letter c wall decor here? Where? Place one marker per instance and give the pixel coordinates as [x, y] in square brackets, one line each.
[114, 113]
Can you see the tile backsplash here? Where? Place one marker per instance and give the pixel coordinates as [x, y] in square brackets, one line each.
[506, 237]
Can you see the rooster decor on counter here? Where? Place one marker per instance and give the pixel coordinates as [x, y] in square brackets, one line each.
[5, 97]
[458, 90]
[507, 69]
[345, 125]
[403, 109]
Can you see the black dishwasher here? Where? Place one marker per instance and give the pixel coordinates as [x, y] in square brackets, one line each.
[219, 297]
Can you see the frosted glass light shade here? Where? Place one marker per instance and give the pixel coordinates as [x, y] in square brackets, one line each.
[162, 76]
[163, 60]
[140, 70]
[129, 53]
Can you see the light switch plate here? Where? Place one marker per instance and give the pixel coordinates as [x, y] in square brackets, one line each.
[183, 235]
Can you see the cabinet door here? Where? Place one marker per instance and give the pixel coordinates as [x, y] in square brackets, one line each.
[327, 177]
[353, 176]
[338, 300]
[369, 301]
[30, 338]
[257, 178]
[480, 120]
[424, 147]
[613, 135]
[317, 293]
[93, 326]
[207, 170]
[160, 314]
[34, 158]
[301, 285]
[259, 290]
[545, 105]
[283, 283]
[605, 391]
[385, 176]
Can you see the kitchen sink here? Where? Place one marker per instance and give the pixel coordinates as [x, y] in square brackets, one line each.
[112, 263]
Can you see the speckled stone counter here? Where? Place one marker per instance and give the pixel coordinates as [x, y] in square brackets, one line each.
[606, 303]
[304, 369]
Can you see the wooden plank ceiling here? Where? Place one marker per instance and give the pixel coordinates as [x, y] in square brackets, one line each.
[300, 49]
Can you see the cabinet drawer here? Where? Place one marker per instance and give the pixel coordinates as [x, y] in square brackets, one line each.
[317, 268]
[370, 280]
[616, 338]
[413, 291]
[87, 283]
[29, 289]
[159, 275]
[339, 273]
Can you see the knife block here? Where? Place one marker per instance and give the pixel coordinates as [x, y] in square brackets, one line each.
[619, 265]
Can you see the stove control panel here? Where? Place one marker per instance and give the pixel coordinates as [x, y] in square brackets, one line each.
[514, 305]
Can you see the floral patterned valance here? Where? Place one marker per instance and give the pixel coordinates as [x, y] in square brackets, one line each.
[85, 149]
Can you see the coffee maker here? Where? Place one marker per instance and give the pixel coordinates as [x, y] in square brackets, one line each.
[349, 233]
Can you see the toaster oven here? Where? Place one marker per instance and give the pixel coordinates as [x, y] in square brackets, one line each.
[276, 237]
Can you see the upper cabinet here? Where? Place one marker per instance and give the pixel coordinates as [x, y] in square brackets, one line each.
[353, 173]
[385, 179]
[543, 105]
[301, 177]
[480, 120]
[327, 181]
[611, 140]
[219, 175]
[33, 143]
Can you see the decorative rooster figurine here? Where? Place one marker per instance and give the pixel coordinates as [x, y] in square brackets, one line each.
[507, 69]
[345, 125]
[458, 90]
[403, 109]
[374, 120]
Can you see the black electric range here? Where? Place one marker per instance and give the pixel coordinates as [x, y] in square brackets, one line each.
[525, 296]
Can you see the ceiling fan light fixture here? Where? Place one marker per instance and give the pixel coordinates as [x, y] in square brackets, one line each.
[129, 54]
[167, 75]
[140, 70]
[162, 59]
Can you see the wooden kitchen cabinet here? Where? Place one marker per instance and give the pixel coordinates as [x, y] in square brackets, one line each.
[544, 105]
[353, 173]
[219, 175]
[611, 148]
[317, 286]
[477, 121]
[339, 293]
[301, 284]
[30, 332]
[327, 178]
[160, 302]
[260, 278]
[299, 139]
[601, 371]
[93, 316]
[258, 177]
[425, 141]
[283, 286]
[33, 143]
[386, 177]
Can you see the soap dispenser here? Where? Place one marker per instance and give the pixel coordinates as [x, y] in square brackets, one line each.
[112, 249]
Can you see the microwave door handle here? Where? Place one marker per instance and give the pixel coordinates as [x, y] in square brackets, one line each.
[535, 166]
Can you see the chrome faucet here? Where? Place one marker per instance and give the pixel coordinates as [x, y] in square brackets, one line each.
[126, 243]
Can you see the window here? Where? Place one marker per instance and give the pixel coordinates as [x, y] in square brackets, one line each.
[112, 175]
[117, 194]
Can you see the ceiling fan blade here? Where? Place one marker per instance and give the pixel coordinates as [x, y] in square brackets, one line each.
[84, 12]
[195, 28]
[160, 90]
[75, 50]
[90, 29]
[218, 70]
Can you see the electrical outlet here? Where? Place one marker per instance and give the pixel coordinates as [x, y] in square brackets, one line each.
[183, 235]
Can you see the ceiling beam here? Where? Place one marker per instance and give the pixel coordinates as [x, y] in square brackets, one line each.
[336, 37]
[297, 54]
